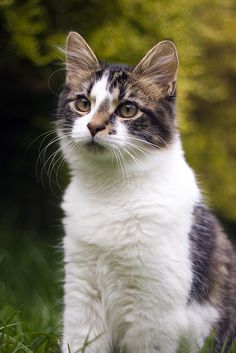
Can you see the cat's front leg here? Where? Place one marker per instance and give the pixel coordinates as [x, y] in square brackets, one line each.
[145, 337]
[83, 323]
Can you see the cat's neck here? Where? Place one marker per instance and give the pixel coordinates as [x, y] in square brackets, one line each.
[167, 166]
[164, 183]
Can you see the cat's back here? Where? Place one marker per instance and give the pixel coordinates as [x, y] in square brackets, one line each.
[214, 268]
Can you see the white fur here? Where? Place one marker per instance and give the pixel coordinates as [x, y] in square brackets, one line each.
[127, 258]
[99, 93]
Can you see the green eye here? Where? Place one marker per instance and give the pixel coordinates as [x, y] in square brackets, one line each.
[82, 104]
[127, 110]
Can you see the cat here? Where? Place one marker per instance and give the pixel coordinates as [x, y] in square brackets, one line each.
[147, 265]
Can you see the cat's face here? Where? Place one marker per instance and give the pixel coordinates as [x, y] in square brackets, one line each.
[116, 109]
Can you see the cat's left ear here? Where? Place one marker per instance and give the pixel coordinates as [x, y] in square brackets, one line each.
[160, 66]
[80, 59]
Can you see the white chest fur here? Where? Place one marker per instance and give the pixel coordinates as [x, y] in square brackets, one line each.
[128, 268]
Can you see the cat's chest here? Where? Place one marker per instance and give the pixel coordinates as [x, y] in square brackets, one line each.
[132, 242]
[138, 233]
[130, 213]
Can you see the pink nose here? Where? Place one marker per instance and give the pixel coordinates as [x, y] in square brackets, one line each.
[94, 129]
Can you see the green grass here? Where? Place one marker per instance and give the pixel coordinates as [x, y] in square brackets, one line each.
[30, 296]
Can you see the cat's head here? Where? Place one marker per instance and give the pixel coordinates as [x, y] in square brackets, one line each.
[111, 110]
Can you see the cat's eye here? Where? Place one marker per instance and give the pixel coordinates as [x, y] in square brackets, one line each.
[127, 110]
[82, 104]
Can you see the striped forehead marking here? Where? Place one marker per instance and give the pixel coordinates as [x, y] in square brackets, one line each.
[105, 98]
[100, 91]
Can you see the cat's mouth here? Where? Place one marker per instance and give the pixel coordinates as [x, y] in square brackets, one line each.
[95, 147]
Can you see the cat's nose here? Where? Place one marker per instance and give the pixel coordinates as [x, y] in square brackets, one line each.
[94, 129]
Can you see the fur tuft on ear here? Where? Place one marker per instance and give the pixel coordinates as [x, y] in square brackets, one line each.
[160, 66]
[80, 59]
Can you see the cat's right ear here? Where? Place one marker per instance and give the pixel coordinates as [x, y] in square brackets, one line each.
[80, 59]
[160, 66]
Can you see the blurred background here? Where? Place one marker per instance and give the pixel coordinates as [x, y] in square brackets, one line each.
[31, 70]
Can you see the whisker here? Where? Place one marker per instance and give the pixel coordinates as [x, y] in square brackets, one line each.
[60, 161]
[132, 156]
[119, 162]
[51, 76]
[52, 166]
[124, 164]
[43, 160]
[144, 151]
[147, 143]
[47, 133]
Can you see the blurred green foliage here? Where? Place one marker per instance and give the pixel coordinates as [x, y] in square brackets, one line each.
[121, 31]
